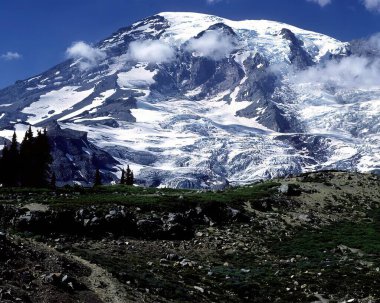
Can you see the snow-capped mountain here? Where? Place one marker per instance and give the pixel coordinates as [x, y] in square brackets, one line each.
[192, 100]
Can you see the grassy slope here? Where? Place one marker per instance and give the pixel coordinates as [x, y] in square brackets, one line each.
[288, 259]
[146, 198]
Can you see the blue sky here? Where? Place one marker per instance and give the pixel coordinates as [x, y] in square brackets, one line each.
[36, 33]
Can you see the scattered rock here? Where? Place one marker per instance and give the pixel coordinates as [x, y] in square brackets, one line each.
[52, 278]
[172, 257]
[187, 263]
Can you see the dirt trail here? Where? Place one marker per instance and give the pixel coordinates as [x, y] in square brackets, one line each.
[100, 281]
[103, 284]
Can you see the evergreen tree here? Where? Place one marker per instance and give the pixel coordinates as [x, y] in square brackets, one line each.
[43, 159]
[4, 167]
[129, 177]
[28, 166]
[98, 178]
[5, 150]
[122, 179]
[53, 181]
[12, 174]
[29, 133]
[27, 160]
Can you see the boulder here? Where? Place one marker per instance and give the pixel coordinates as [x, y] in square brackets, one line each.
[290, 189]
[34, 221]
[3, 236]
[177, 227]
[220, 214]
[151, 228]
[63, 281]
[120, 221]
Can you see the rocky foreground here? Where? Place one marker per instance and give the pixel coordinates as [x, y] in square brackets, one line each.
[312, 238]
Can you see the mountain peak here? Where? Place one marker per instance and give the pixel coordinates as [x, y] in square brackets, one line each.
[199, 101]
[173, 14]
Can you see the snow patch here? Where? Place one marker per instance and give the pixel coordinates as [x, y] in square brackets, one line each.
[98, 101]
[137, 77]
[54, 103]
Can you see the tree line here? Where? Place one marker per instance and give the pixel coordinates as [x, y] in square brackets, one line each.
[127, 177]
[26, 164]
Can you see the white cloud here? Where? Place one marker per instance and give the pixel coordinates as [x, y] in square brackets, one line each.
[212, 44]
[374, 41]
[372, 5]
[152, 51]
[350, 72]
[353, 72]
[88, 55]
[321, 2]
[9, 56]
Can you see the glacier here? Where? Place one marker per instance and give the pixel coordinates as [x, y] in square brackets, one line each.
[211, 103]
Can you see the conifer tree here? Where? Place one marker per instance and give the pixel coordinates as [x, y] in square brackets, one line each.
[129, 176]
[29, 165]
[53, 181]
[27, 160]
[5, 150]
[98, 178]
[29, 133]
[43, 158]
[4, 165]
[12, 174]
[122, 179]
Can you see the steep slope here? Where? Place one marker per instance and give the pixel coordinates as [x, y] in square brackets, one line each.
[192, 100]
